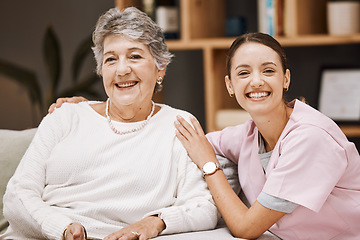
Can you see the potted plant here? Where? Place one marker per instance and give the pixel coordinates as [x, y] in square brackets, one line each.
[52, 56]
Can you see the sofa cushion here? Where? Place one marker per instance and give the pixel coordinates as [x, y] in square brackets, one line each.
[13, 144]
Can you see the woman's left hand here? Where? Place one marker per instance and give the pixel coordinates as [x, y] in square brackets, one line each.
[195, 142]
[74, 231]
[146, 228]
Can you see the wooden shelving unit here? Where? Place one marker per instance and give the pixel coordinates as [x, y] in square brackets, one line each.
[202, 28]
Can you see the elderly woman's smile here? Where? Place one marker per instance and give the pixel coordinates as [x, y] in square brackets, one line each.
[125, 84]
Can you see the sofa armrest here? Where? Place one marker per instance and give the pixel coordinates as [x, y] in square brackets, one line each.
[3, 225]
[13, 144]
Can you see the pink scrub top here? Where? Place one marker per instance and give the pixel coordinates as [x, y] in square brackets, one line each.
[313, 164]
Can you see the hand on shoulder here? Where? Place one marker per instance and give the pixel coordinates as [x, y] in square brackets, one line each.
[60, 101]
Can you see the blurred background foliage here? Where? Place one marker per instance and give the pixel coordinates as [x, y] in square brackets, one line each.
[51, 50]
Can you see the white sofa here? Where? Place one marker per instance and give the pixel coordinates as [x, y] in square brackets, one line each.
[13, 144]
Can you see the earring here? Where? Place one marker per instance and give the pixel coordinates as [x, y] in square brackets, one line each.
[286, 89]
[159, 80]
[231, 94]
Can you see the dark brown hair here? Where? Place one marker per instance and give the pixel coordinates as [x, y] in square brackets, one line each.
[256, 37]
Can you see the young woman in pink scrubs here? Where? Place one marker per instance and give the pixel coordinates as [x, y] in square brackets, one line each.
[297, 169]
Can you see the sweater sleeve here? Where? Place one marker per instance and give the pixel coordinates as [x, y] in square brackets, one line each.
[194, 209]
[24, 208]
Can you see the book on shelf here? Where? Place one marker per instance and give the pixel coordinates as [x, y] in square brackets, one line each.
[166, 14]
[167, 17]
[304, 17]
[271, 17]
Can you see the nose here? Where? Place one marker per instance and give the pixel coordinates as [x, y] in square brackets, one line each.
[256, 81]
[122, 68]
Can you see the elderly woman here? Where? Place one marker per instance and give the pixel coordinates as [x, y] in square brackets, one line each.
[113, 169]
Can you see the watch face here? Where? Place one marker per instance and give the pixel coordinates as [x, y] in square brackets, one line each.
[209, 167]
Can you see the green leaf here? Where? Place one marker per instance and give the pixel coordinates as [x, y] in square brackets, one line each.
[80, 55]
[83, 86]
[25, 78]
[52, 57]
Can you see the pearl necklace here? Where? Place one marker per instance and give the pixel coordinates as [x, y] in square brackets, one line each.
[131, 130]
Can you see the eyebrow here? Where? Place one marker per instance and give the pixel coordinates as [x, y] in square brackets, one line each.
[130, 49]
[242, 65]
[136, 49]
[109, 52]
[267, 63]
[263, 64]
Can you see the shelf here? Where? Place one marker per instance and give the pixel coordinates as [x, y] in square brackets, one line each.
[351, 131]
[214, 43]
[225, 43]
[318, 39]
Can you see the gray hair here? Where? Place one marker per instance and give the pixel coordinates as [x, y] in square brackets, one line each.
[135, 25]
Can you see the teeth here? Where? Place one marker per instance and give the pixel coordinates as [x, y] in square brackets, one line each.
[258, 94]
[124, 85]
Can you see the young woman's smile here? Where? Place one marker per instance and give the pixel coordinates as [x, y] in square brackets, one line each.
[257, 95]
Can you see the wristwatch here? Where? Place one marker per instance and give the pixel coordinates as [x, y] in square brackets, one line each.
[210, 168]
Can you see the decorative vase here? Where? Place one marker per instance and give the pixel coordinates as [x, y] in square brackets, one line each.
[343, 17]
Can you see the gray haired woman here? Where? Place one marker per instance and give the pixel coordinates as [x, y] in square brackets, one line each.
[113, 169]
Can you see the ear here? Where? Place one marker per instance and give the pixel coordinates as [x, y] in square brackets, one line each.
[229, 86]
[287, 79]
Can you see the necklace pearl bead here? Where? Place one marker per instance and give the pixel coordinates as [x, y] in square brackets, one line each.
[131, 130]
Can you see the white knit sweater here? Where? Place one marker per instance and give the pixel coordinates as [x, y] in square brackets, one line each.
[78, 170]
